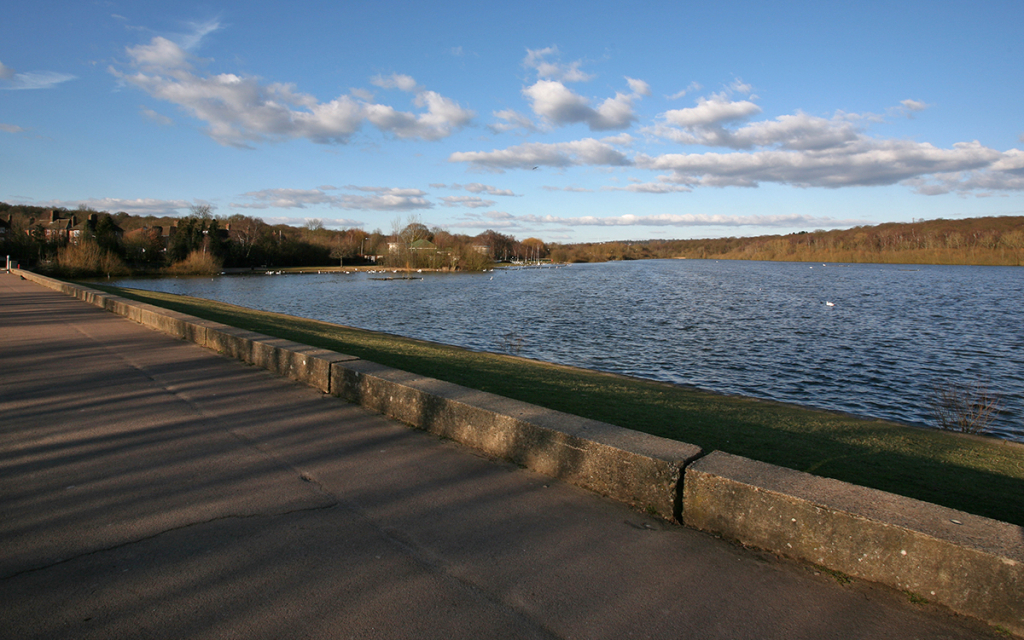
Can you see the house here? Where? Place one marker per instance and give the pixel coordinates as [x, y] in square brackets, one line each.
[64, 227]
[89, 228]
[58, 228]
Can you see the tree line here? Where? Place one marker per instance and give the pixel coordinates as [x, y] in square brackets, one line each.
[120, 243]
[996, 241]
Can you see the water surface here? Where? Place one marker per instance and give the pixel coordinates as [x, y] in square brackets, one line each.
[762, 329]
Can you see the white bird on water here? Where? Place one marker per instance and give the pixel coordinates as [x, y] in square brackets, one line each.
[830, 304]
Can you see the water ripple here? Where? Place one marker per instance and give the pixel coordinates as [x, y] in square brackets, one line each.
[753, 328]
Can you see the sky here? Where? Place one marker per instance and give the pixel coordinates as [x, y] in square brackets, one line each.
[565, 121]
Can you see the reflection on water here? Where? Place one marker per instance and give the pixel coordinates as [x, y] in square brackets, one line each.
[762, 329]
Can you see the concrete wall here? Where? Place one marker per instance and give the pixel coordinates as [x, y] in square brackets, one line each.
[971, 564]
[642, 470]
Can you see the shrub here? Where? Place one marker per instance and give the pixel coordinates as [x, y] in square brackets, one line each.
[968, 408]
[86, 259]
[111, 264]
[196, 263]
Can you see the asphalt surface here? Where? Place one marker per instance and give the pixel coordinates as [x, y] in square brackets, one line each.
[150, 488]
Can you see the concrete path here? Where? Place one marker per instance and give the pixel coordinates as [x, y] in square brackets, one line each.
[152, 489]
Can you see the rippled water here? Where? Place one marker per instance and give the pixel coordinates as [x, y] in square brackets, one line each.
[761, 329]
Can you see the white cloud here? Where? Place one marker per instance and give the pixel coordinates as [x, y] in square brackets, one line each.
[796, 149]
[284, 199]
[712, 111]
[693, 86]
[639, 87]
[443, 117]
[384, 202]
[241, 110]
[476, 187]
[560, 106]
[552, 100]
[330, 223]
[199, 30]
[383, 199]
[158, 118]
[622, 140]
[651, 187]
[1005, 174]
[10, 128]
[472, 202]
[512, 120]
[739, 86]
[396, 81]
[686, 220]
[536, 59]
[389, 190]
[36, 80]
[810, 151]
[569, 189]
[160, 55]
[529, 155]
[798, 131]
[914, 105]
[32, 79]
[865, 162]
[137, 207]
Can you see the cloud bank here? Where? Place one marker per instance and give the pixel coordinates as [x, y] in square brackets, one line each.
[722, 146]
[244, 110]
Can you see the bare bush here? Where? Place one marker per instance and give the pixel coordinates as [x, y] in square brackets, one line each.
[86, 259]
[968, 408]
[197, 263]
[511, 342]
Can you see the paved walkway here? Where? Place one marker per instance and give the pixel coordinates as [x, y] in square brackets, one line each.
[152, 489]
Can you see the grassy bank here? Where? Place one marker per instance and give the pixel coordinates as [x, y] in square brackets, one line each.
[978, 475]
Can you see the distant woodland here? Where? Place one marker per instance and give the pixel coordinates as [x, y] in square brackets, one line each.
[83, 242]
[978, 241]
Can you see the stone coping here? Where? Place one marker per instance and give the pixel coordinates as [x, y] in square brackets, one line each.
[971, 564]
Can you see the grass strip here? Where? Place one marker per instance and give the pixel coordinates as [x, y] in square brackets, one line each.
[984, 476]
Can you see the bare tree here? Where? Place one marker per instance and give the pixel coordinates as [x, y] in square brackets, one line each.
[201, 211]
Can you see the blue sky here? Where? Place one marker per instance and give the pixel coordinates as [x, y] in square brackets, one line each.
[564, 121]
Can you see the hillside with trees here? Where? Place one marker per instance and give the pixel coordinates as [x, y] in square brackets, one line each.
[84, 242]
[978, 241]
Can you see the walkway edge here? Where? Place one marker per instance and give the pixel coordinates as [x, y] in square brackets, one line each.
[971, 564]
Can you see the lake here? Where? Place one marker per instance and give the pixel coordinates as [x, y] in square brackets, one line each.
[762, 329]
